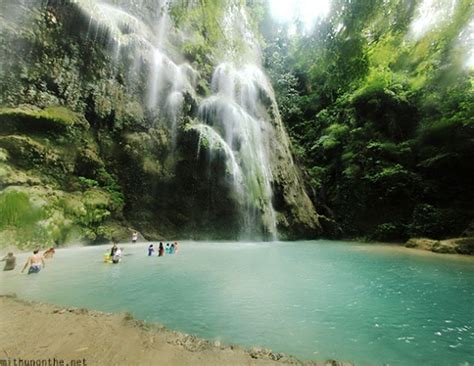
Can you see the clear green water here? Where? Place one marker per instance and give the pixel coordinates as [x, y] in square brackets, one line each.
[317, 300]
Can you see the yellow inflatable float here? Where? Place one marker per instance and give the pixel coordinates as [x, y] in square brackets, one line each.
[107, 258]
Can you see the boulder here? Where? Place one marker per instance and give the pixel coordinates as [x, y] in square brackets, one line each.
[460, 245]
[421, 243]
[451, 246]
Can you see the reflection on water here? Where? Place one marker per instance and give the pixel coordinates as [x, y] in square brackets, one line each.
[320, 299]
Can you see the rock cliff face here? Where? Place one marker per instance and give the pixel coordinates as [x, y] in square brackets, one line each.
[143, 114]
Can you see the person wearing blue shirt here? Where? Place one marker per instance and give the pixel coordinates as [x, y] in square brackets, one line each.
[151, 250]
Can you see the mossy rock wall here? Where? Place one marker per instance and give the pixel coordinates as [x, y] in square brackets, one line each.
[79, 146]
[43, 201]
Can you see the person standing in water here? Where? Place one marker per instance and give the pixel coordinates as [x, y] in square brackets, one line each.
[134, 237]
[113, 250]
[151, 250]
[10, 262]
[117, 256]
[36, 262]
[176, 247]
[161, 250]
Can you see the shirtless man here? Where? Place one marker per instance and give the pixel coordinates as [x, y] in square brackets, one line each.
[36, 262]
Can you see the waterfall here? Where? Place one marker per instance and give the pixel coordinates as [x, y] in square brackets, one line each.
[129, 37]
[235, 112]
[233, 121]
[216, 144]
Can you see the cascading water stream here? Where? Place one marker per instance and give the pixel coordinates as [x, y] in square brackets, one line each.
[216, 143]
[129, 37]
[234, 120]
[233, 110]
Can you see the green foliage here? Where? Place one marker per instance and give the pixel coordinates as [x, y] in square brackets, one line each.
[31, 119]
[110, 185]
[392, 181]
[94, 216]
[386, 107]
[21, 221]
[87, 183]
[388, 232]
[203, 18]
[17, 210]
[333, 136]
[427, 221]
[382, 121]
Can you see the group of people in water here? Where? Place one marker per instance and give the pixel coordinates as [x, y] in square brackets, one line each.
[170, 249]
[34, 263]
[115, 254]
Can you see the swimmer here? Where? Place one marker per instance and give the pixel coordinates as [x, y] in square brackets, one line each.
[176, 247]
[151, 250]
[172, 249]
[168, 248]
[49, 253]
[10, 262]
[36, 262]
[134, 237]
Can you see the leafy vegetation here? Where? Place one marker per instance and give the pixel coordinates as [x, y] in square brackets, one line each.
[17, 210]
[381, 118]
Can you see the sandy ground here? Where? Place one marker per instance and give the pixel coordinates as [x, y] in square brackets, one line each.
[80, 337]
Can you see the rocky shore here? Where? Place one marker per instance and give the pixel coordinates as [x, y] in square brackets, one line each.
[38, 331]
[450, 246]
